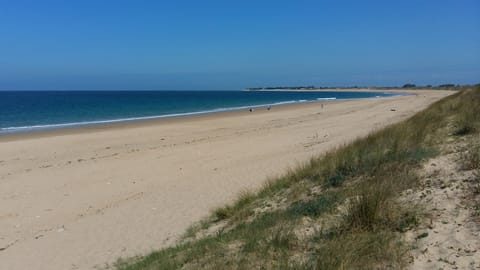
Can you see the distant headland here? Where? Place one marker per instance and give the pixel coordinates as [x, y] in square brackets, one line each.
[448, 86]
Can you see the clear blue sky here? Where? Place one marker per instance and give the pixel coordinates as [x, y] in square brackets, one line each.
[180, 44]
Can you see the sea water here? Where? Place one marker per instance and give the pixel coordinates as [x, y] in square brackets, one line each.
[24, 111]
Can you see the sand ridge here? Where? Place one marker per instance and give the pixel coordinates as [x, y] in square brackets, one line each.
[76, 199]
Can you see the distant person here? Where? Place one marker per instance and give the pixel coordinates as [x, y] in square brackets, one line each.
[268, 108]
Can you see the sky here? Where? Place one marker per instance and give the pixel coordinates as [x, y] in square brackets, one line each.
[231, 45]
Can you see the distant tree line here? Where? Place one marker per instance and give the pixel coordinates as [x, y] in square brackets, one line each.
[440, 86]
[449, 86]
[283, 87]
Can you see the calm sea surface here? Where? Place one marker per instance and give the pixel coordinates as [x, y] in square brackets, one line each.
[23, 111]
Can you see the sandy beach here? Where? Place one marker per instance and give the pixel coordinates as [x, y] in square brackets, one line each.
[81, 198]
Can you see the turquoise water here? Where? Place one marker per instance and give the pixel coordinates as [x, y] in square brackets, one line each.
[24, 111]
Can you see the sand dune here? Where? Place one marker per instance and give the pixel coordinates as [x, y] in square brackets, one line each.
[79, 198]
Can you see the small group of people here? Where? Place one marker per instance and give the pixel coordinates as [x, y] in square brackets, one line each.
[268, 109]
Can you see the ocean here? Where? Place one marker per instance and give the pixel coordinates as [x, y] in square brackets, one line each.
[25, 111]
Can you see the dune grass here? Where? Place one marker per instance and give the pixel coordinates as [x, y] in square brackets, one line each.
[338, 211]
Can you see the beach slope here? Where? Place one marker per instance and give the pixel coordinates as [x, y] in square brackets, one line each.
[79, 198]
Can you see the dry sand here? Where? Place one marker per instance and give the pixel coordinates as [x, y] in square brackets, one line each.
[80, 198]
[450, 239]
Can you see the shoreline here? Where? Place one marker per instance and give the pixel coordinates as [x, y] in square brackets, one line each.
[156, 120]
[87, 196]
[145, 119]
[153, 120]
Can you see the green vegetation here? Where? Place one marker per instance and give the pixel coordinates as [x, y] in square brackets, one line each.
[339, 211]
[409, 85]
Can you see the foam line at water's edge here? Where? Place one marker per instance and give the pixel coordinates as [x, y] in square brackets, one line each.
[9, 130]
